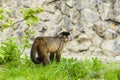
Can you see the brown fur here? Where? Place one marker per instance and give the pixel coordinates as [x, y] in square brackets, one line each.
[44, 45]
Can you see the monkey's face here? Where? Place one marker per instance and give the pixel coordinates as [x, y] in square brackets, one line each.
[66, 36]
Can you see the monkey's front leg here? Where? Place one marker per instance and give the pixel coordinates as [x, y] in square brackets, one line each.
[51, 56]
[58, 56]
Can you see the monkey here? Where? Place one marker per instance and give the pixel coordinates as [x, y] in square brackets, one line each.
[49, 44]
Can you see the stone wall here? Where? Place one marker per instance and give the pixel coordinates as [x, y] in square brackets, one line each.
[95, 24]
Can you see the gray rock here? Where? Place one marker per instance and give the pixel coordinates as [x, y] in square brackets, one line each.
[105, 29]
[117, 5]
[110, 34]
[50, 8]
[96, 2]
[50, 24]
[58, 5]
[80, 27]
[58, 17]
[83, 18]
[10, 3]
[18, 34]
[104, 9]
[13, 14]
[41, 27]
[76, 33]
[111, 48]
[65, 9]
[95, 51]
[70, 3]
[117, 58]
[89, 31]
[117, 19]
[44, 16]
[114, 14]
[1, 2]
[26, 4]
[8, 31]
[99, 29]
[84, 46]
[89, 15]
[83, 4]
[96, 40]
[62, 24]
[83, 38]
[57, 29]
[49, 32]
[74, 16]
[113, 2]
[73, 46]
[68, 24]
[6, 34]
[48, 1]
[118, 28]
[19, 3]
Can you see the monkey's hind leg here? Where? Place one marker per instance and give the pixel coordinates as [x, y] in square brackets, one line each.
[39, 59]
[45, 59]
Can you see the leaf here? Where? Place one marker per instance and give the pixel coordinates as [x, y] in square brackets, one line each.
[2, 17]
[20, 78]
[1, 57]
[1, 10]
[30, 15]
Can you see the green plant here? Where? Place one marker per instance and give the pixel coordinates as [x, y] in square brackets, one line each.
[4, 20]
[112, 71]
[78, 69]
[84, 69]
[67, 69]
[9, 51]
[26, 40]
[97, 67]
[30, 15]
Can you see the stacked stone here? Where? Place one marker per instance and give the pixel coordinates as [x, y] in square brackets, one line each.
[95, 24]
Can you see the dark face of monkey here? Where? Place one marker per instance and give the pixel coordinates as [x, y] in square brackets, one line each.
[66, 36]
[49, 44]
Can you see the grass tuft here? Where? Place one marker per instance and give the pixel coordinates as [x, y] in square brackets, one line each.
[67, 69]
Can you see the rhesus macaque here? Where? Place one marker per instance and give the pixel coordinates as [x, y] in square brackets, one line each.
[48, 44]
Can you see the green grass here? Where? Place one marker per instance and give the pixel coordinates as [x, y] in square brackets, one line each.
[29, 71]
[67, 69]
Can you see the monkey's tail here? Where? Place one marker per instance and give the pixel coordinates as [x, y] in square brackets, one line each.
[33, 53]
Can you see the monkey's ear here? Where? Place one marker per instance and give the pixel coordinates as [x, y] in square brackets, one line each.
[59, 34]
